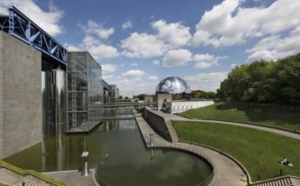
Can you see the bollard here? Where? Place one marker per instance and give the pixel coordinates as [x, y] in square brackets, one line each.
[258, 177]
[84, 157]
[281, 172]
[23, 183]
[151, 139]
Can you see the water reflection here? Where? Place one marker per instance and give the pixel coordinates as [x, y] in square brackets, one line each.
[118, 150]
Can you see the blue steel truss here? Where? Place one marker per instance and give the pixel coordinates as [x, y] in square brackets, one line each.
[26, 30]
[105, 84]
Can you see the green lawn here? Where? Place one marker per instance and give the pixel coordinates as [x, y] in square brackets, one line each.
[271, 115]
[257, 150]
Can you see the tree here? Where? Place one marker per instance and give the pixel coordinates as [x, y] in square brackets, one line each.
[263, 81]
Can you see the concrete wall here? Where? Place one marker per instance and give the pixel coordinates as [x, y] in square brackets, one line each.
[181, 106]
[157, 123]
[161, 98]
[20, 96]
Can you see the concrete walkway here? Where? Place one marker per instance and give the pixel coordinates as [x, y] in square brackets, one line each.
[73, 178]
[227, 172]
[224, 171]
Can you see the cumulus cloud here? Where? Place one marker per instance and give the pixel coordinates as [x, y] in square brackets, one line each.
[275, 47]
[153, 78]
[228, 23]
[168, 36]
[206, 60]
[47, 20]
[126, 25]
[133, 74]
[143, 45]
[109, 68]
[175, 34]
[177, 57]
[206, 81]
[93, 27]
[97, 49]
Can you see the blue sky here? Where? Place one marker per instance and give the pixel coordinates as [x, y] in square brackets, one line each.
[140, 42]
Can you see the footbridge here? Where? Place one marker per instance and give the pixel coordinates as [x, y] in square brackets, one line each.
[123, 110]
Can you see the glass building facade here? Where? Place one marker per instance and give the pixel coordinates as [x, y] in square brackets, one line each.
[84, 92]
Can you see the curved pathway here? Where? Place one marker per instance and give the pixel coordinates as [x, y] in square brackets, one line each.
[227, 172]
[264, 128]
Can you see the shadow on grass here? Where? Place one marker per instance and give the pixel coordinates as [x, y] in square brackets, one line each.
[259, 113]
[264, 114]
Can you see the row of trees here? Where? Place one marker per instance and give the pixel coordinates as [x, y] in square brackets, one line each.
[264, 82]
[203, 94]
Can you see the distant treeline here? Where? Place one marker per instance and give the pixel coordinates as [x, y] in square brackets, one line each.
[264, 82]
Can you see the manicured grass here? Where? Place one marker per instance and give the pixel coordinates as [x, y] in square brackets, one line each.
[265, 114]
[258, 151]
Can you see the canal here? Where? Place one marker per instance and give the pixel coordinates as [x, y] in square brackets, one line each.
[118, 151]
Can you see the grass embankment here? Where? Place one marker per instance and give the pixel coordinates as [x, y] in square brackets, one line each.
[30, 172]
[257, 150]
[270, 115]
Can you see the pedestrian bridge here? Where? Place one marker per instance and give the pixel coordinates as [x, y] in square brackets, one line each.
[123, 110]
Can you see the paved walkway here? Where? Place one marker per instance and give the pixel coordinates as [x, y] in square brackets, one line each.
[73, 178]
[227, 172]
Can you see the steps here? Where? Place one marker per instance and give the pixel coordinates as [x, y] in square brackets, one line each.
[7, 178]
[283, 181]
[10, 178]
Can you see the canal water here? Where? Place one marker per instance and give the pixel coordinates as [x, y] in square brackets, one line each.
[118, 151]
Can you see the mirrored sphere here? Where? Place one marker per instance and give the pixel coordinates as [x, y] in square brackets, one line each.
[173, 85]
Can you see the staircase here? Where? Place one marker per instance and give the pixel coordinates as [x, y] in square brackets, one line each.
[282, 181]
[7, 178]
[11, 178]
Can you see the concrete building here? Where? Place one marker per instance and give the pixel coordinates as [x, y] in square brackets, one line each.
[20, 96]
[44, 89]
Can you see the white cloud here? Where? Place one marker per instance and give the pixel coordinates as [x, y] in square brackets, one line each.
[143, 45]
[275, 47]
[177, 57]
[175, 34]
[156, 62]
[47, 20]
[206, 81]
[206, 60]
[93, 27]
[71, 47]
[126, 25]
[103, 51]
[153, 78]
[109, 68]
[229, 23]
[97, 49]
[133, 74]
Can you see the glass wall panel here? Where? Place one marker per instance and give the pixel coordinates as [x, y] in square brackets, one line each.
[85, 92]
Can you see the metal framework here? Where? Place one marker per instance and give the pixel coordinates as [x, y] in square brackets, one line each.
[26, 30]
[105, 84]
